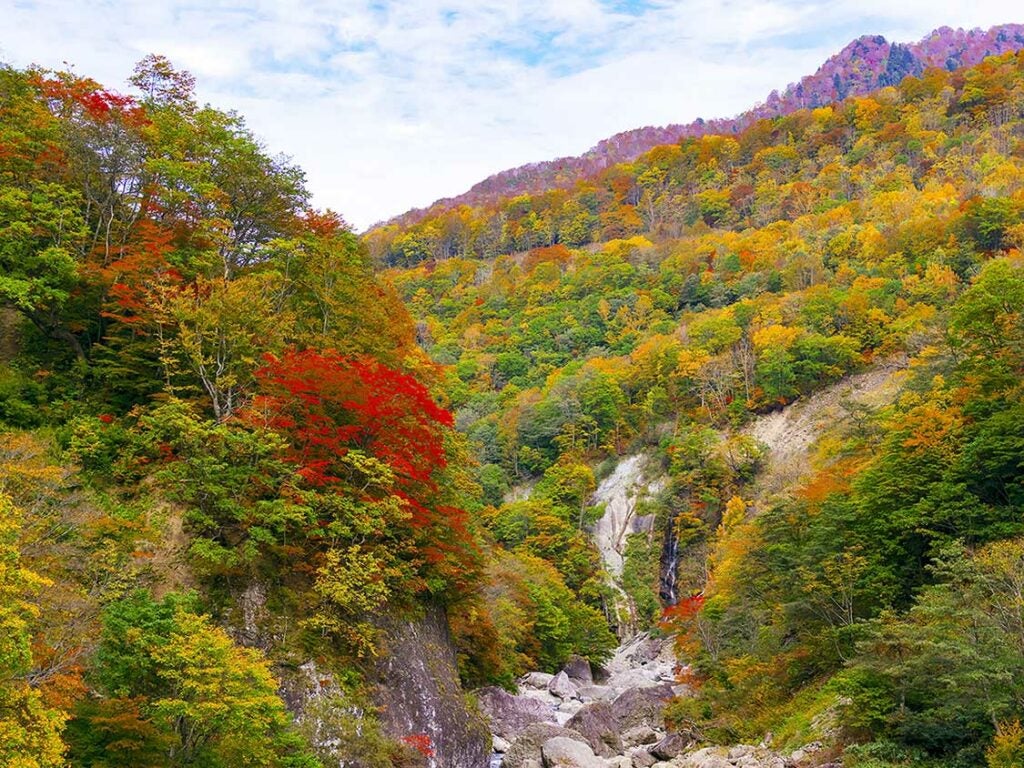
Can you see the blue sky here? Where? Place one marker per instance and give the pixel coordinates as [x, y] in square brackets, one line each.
[390, 105]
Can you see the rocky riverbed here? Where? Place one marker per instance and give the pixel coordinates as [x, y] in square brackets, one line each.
[612, 717]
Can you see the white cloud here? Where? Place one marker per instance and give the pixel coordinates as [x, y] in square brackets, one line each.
[389, 105]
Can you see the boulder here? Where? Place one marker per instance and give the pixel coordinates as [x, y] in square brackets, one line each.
[499, 744]
[641, 758]
[641, 706]
[508, 714]
[671, 746]
[569, 708]
[561, 752]
[799, 755]
[648, 649]
[542, 696]
[578, 670]
[562, 717]
[642, 677]
[619, 762]
[596, 693]
[596, 723]
[641, 734]
[538, 680]
[562, 687]
[527, 745]
[709, 757]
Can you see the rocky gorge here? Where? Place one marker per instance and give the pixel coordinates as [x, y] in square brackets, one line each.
[609, 717]
[612, 715]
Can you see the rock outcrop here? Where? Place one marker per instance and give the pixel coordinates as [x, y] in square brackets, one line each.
[415, 686]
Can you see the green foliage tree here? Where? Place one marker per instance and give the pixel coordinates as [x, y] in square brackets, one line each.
[210, 701]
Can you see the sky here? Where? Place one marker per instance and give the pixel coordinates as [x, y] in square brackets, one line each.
[392, 105]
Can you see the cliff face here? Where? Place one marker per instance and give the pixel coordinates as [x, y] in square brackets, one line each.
[418, 692]
[862, 66]
[414, 687]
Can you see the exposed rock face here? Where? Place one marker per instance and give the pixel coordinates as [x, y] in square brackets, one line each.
[418, 692]
[508, 714]
[619, 492]
[415, 685]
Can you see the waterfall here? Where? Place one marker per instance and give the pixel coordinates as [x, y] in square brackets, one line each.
[669, 566]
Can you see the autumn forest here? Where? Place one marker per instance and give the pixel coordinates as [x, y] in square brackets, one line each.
[248, 454]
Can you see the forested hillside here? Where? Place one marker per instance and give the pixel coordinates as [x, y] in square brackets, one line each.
[253, 467]
[667, 304]
[864, 65]
[207, 397]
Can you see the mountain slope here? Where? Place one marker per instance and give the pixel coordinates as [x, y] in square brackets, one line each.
[865, 64]
[710, 305]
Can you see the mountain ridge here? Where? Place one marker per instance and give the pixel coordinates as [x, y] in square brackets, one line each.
[861, 66]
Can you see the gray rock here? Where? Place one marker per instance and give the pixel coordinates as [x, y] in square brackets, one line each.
[509, 715]
[578, 670]
[561, 752]
[562, 687]
[619, 762]
[641, 706]
[597, 724]
[499, 744]
[527, 745]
